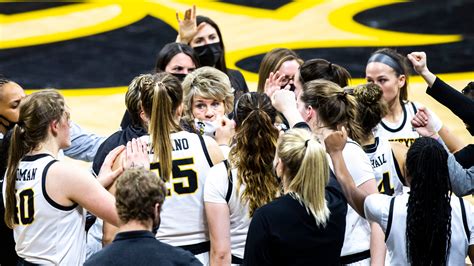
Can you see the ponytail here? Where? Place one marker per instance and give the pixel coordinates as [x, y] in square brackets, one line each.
[335, 106]
[161, 95]
[18, 148]
[307, 171]
[256, 139]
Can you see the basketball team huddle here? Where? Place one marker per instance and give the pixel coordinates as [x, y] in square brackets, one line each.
[303, 170]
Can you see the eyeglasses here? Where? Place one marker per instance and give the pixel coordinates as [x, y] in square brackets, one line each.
[286, 79]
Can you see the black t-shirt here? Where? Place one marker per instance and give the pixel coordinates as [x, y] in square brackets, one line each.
[141, 248]
[8, 256]
[465, 156]
[283, 233]
[237, 81]
[120, 137]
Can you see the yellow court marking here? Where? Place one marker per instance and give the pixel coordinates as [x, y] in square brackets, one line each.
[65, 23]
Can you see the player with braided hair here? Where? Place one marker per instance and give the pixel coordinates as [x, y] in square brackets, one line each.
[428, 214]
[232, 193]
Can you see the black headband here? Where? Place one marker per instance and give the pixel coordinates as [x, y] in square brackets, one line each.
[388, 60]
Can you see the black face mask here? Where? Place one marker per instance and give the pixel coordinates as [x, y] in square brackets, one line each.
[180, 76]
[10, 125]
[209, 54]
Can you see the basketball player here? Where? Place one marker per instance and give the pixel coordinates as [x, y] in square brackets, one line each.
[387, 158]
[428, 226]
[234, 191]
[182, 159]
[46, 199]
[389, 70]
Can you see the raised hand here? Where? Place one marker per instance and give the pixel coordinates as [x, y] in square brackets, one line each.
[272, 83]
[225, 131]
[418, 59]
[336, 141]
[106, 174]
[188, 27]
[423, 123]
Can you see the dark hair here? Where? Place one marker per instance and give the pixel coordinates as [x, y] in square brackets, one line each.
[37, 111]
[323, 69]
[221, 64]
[256, 139]
[469, 90]
[428, 224]
[401, 68]
[3, 80]
[335, 106]
[371, 108]
[161, 95]
[138, 191]
[170, 50]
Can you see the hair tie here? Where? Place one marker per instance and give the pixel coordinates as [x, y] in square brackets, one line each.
[306, 143]
[342, 95]
[160, 83]
[330, 67]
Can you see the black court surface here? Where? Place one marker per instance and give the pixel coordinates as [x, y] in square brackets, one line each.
[92, 50]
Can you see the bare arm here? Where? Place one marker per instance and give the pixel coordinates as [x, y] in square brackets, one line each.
[218, 219]
[418, 59]
[284, 102]
[214, 151]
[355, 196]
[424, 123]
[453, 142]
[67, 184]
[377, 236]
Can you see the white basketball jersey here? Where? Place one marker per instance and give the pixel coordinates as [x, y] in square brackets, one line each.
[46, 232]
[357, 234]
[183, 221]
[459, 242]
[401, 131]
[216, 191]
[386, 169]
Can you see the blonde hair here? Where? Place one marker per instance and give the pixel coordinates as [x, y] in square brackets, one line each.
[209, 83]
[307, 170]
[161, 95]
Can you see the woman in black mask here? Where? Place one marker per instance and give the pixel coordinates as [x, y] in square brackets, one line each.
[177, 59]
[204, 36]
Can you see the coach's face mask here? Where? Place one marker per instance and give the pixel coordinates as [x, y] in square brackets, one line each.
[209, 54]
[180, 76]
[207, 128]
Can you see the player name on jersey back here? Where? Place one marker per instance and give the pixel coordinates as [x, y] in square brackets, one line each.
[26, 174]
[378, 161]
[180, 144]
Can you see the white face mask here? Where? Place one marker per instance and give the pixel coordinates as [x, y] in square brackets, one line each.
[207, 128]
